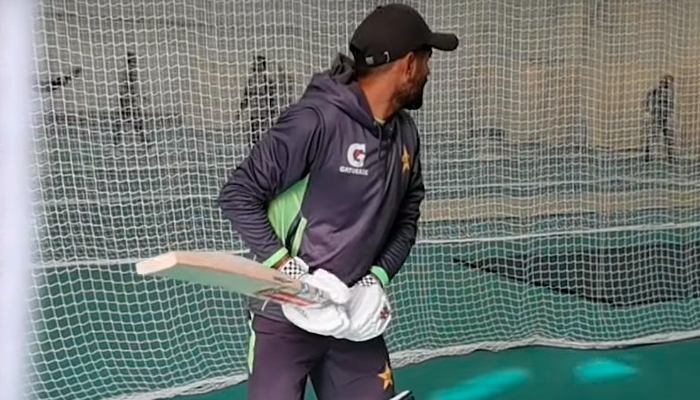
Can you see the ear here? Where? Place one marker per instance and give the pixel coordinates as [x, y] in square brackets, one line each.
[410, 63]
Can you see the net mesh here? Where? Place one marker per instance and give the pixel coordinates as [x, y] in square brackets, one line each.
[546, 220]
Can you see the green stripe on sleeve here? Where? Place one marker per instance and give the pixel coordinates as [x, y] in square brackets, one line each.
[381, 274]
[276, 257]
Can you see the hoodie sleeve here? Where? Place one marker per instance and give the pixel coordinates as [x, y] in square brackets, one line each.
[405, 229]
[276, 163]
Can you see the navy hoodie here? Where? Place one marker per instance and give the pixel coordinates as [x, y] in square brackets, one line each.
[331, 185]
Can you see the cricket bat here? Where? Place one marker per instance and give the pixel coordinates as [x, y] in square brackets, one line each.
[233, 273]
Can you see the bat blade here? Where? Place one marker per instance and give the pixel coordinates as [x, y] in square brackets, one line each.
[232, 273]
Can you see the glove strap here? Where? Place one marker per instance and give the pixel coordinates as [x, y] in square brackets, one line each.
[295, 268]
[368, 280]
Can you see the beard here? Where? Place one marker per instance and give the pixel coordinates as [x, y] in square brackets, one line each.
[412, 97]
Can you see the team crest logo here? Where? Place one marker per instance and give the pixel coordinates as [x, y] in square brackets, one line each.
[387, 377]
[405, 160]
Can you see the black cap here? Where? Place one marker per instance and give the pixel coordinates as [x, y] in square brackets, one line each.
[392, 31]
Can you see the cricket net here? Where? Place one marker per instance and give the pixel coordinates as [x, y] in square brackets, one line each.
[546, 219]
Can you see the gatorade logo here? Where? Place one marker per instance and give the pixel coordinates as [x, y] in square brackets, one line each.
[356, 156]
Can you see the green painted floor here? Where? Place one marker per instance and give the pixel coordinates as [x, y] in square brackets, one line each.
[667, 371]
[105, 333]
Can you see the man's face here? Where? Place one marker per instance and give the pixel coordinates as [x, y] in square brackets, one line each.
[410, 95]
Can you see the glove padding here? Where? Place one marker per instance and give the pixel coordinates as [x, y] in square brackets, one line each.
[326, 320]
[369, 310]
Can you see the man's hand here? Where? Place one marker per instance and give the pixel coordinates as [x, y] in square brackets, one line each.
[327, 320]
[369, 310]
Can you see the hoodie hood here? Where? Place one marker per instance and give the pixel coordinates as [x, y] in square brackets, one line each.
[338, 87]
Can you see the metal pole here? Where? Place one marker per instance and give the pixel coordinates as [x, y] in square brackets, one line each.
[15, 193]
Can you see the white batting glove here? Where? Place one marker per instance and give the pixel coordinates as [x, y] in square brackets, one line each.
[369, 310]
[326, 320]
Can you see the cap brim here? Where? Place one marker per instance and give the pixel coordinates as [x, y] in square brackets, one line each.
[443, 41]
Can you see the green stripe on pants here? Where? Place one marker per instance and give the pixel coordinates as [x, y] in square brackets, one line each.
[251, 345]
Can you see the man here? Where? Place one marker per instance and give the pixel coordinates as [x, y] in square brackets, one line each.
[130, 106]
[60, 81]
[660, 105]
[258, 96]
[331, 196]
[285, 89]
